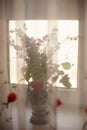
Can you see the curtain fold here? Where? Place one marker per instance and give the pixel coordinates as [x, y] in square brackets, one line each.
[42, 9]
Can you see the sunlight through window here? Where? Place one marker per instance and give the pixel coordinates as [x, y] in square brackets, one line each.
[67, 37]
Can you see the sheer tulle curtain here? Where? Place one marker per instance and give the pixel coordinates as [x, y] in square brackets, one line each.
[46, 10]
[22, 10]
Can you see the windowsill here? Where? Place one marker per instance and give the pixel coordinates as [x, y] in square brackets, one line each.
[68, 89]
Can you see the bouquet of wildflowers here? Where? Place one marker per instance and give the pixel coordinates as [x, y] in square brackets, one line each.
[37, 56]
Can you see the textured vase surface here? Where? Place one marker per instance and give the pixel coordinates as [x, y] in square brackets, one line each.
[39, 106]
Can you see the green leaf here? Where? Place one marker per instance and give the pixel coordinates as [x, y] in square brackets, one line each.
[66, 65]
[67, 84]
[27, 76]
[60, 72]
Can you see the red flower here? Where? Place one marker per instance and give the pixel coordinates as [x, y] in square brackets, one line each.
[86, 110]
[58, 102]
[11, 97]
[36, 85]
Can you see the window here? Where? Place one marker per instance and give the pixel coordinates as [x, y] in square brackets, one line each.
[67, 39]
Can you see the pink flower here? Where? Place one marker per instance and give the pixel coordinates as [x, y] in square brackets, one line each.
[36, 85]
[64, 78]
[11, 97]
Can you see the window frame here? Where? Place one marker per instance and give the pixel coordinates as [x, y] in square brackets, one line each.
[55, 86]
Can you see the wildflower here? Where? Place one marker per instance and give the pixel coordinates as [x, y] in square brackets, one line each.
[65, 81]
[86, 110]
[11, 97]
[58, 102]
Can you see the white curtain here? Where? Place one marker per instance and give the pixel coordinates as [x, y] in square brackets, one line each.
[74, 100]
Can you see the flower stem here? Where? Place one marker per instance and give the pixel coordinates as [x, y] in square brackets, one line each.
[1, 111]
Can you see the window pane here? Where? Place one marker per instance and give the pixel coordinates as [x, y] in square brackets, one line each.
[67, 40]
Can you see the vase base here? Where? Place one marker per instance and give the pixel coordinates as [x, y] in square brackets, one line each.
[39, 119]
